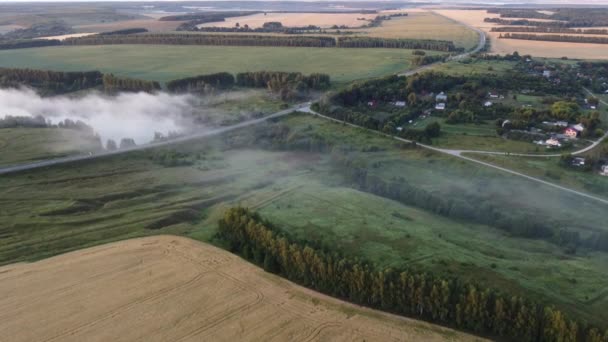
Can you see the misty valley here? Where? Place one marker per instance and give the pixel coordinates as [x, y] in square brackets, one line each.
[304, 171]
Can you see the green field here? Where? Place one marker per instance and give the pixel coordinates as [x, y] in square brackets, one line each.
[167, 62]
[69, 207]
[22, 145]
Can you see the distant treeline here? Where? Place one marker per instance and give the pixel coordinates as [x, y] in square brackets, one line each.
[27, 43]
[533, 29]
[568, 17]
[58, 82]
[372, 42]
[270, 27]
[408, 292]
[44, 29]
[265, 40]
[125, 31]
[556, 38]
[201, 39]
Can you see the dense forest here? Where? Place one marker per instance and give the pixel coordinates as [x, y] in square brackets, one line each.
[555, 38]
[407, 292]
[192, 20]
[44, 29]
[534, 29]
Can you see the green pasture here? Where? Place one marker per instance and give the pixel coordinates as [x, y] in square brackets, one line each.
[167, 62]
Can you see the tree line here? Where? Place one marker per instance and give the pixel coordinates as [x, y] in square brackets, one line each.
[407, 292]
[555, 38]
[567, 17]
[202, 83]
[53, 81]
[533, 29]
[125, 31]
[58, 82]
[203, 39]
[398, 43]
[27, 43]
[113, 84]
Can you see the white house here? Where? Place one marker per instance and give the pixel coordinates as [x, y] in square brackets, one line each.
[399, 129]
[547, 73]
[488, 104]
[604, 170]
[552, 142]
[440, 106]
[400, 103]
[493, 95]
[442, 97]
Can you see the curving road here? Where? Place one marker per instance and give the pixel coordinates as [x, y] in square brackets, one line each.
[305, 107]
[71, 159]
[458, 154]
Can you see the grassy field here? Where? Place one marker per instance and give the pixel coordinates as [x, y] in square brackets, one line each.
[69, 207]
[475, 67]
[173, 288]
[22, 145]
[550, 170]
[167, 62]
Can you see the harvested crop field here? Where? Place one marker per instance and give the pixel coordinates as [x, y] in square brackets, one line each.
[535, 48]
[174, 289]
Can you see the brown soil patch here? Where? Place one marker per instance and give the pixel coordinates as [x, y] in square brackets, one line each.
[175, 289]
[535, 48]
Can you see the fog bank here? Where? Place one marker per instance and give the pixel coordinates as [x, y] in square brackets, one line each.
[127, 115]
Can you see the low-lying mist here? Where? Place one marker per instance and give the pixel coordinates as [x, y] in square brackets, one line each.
[126, 115]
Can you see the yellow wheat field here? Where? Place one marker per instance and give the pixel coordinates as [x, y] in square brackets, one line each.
[175, 289]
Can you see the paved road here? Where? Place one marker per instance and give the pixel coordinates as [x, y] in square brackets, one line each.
[71, 159]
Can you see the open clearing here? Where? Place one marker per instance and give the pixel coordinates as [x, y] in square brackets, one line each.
[167, 62]
[175, 289]
[324, 20]
[535, 48]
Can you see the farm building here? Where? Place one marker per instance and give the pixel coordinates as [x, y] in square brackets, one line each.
[488, 104]
[552, 142]
[440, 106]
[400, 104]
[493, 95]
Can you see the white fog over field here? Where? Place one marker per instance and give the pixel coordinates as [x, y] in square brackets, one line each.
[127, 115]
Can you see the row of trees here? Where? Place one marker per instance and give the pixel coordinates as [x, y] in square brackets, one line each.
[374, 42]
[407, 292]
[534, 29]
[49, 81]
[555, 38]
[113, 84]
[124, 31]
[258, 79]
[203, 39]
[567, 17]
[265, 40]
[202, 83]
[27, 43]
